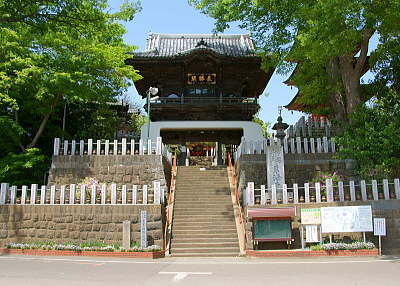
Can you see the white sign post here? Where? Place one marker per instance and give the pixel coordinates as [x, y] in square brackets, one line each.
[380, 230]
[143, 229]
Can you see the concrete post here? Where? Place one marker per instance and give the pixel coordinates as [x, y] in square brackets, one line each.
[126, 234]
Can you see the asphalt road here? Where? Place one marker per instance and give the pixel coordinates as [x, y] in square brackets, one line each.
[59, 271]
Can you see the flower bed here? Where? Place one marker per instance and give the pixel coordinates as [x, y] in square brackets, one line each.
[329, 249]
[344, 246]
[311, 253]
[76, 250]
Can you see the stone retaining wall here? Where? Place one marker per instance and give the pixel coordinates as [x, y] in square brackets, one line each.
[387, 209]
[75, 223]
[119, 169]
[299, 168]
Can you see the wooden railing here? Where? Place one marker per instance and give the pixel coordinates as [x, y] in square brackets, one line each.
[170, 207]
[83, 194]
[320, 192]
[237, 199]
[204, 100]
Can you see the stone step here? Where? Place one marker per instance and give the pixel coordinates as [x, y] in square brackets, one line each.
[204, 212]
[200, 208]
[204, 234]
[204, 223]
[204, 198]
[203, 226]
[205, 240]
[206, 250]
[203, 218]
[214, 254]
[177, 245]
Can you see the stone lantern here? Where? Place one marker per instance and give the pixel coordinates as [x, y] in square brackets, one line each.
[280, 126]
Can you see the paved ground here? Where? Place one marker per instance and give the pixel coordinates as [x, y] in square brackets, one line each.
[59, 271]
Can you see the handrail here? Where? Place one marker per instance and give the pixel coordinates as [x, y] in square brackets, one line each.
[205, 99]
[241, 216]
[168, 220]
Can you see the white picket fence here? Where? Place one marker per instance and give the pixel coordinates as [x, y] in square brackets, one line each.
[310, 128]
[290, 146]
[108, 147]
[317, 192]
[82, 194]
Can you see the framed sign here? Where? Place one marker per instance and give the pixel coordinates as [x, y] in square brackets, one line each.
[346, 219]
[311, 216]
[380, 226]
[201, 78]
[272, 230]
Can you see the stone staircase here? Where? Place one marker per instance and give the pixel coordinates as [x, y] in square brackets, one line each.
[204, 222]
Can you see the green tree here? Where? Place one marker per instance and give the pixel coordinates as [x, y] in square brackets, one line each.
[373, 139]
[329, 40]
[264, 125]
[52, 53]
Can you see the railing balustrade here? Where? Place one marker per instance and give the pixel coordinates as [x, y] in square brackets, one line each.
[320, 192]
[73, 194]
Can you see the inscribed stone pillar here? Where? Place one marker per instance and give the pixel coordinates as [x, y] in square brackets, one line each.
[275, 167]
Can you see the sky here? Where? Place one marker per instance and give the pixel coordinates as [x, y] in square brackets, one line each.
[178, 17]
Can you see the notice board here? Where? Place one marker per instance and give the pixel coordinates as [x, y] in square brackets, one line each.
[346, 219]
[272, 229]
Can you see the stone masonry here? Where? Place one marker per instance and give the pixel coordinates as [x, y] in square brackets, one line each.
[299, 168]
[76, 223]
[119, 169]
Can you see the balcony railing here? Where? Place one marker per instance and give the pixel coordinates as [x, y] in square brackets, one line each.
[200, 100]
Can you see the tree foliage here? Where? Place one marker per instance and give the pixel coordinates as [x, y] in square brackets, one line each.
[57, 52]
[264, 125]
[373, 137]
[328, 39]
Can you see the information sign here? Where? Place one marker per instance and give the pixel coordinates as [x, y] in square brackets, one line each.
[346, 219]
[312, 233]
[143, 229]
[379, 226]
[311, 216]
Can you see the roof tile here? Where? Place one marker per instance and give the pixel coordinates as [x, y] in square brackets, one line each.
[172, 45]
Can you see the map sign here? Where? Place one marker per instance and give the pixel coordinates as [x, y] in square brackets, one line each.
[311, 216]
[346, 219]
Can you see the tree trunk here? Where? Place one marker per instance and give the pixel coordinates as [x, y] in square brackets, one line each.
[44, 123]
[351, 82]
[336, 99]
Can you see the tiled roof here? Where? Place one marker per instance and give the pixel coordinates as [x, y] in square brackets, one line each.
[173, 45]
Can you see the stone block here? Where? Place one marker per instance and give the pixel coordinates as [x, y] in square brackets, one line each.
[96, 227]
[105, 218]
[3, 234]
[91, 236]
[75, 234]
[127, 179]
[83, 235]
[154, 225]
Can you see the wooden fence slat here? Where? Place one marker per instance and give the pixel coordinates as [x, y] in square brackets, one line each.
[386, 189]
[341, 191]
[352, 191]
[295, 193]
[306, 192]
[274, 200]
[363, 185]
[375, 190]
[318, 192]
[284, 194]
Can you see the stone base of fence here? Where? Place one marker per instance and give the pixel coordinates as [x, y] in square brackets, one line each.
[311, 253]
[42, 252]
